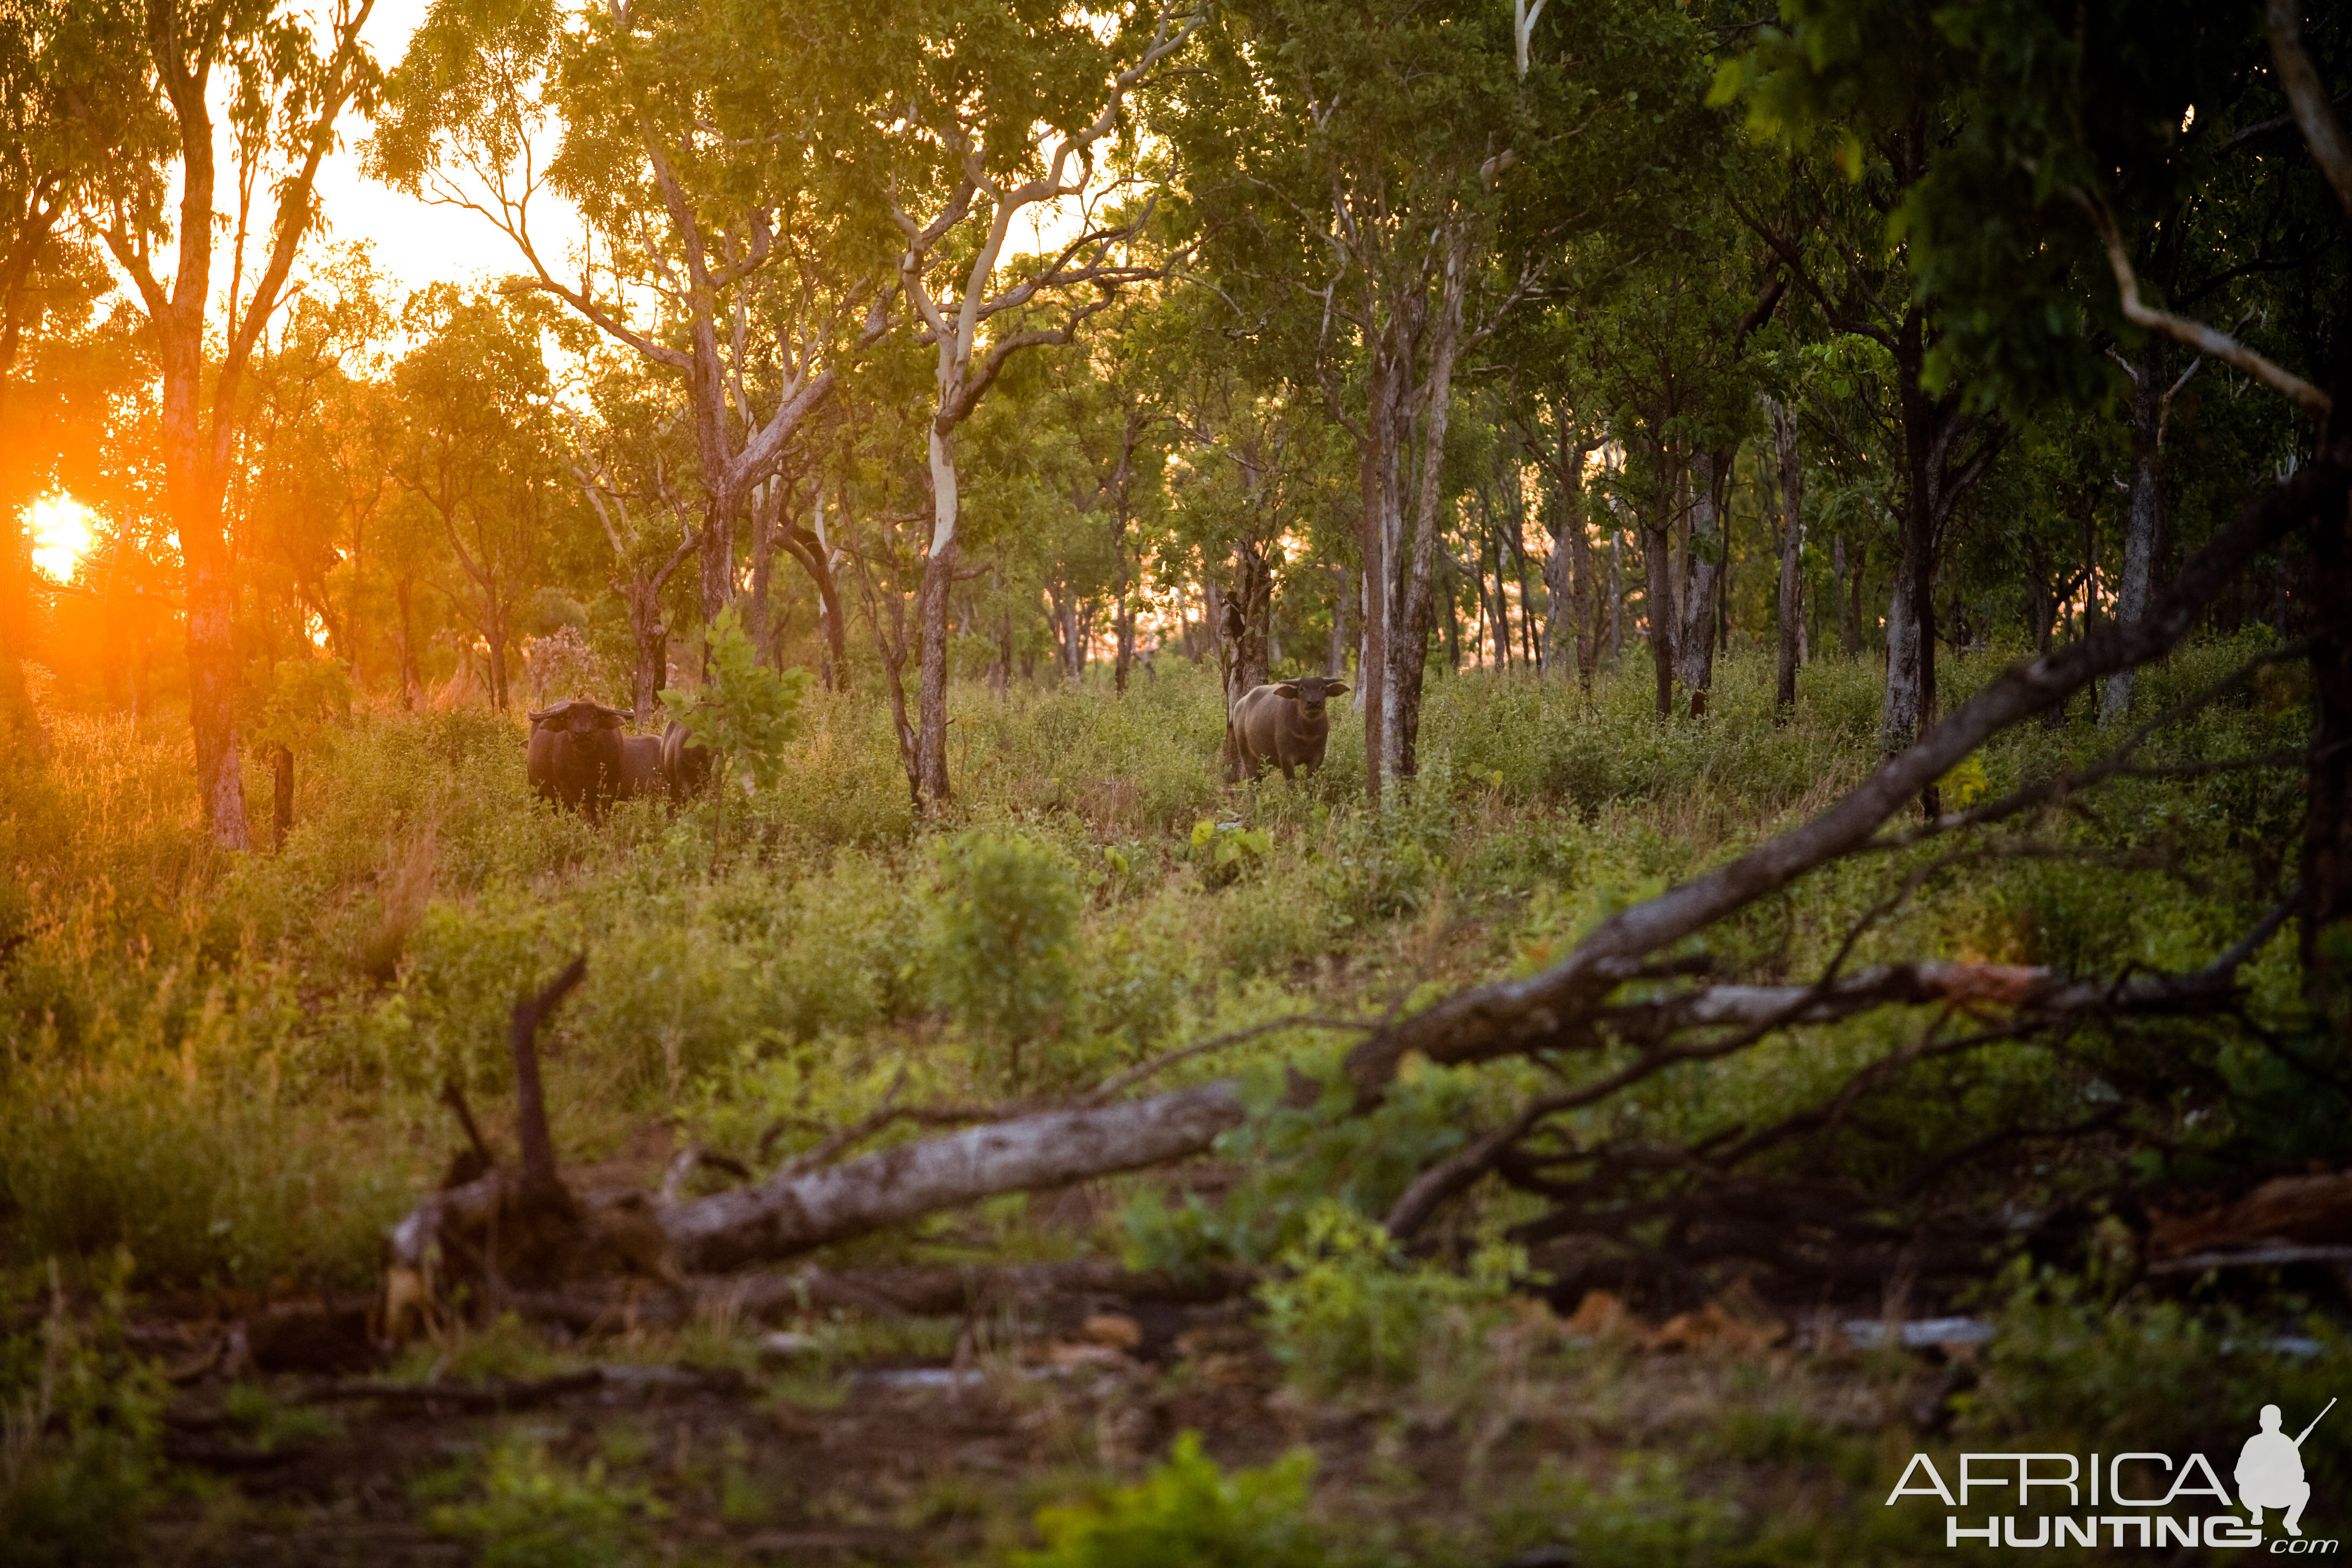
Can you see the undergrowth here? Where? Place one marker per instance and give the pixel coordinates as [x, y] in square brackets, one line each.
[230, 1066]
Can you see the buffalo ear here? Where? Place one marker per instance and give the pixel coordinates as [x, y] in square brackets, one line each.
[1335, 688]
[609, 718]
[1288, 690]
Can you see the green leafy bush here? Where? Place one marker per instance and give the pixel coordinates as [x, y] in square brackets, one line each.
[1188, 1513]
[1350, 1305]
[1225, 851]
[1001, 938]
[744, 714]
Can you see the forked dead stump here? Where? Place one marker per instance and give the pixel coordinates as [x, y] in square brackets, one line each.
[505, 1228]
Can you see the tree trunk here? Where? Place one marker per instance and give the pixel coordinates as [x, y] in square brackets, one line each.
[1572, 630]
[1850, 602]
[649, 640]
[2144, 517]
[1616, 591]
[759, 619]
[281, 814]
[1793, 544]
[1695, 641]
[932, 626]
[1335, 656]
[1910, 704]
[1436, 411]
[192, 497]
[1372, 690]
[1657, 560]
[816, 556]
[494, 632]
[717, 556]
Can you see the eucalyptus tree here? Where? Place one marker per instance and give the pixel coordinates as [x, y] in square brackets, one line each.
[1116, 402]
[1381, 186]
[317, 444]
[2087, 91]
[1866, 97]
[626, 449]
[995, 112]
[1667, 360]
[56, 99]
[280, 79]
[711, 173]
[476, 450]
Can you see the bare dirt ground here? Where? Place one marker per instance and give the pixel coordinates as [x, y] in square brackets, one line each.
[935, 1439]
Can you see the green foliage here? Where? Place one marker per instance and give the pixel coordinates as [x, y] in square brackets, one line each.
[1350, 1306]
[1224, 852]
[267, 1423]
[744, 713]
[530, 1509]
[1300, 1160]
[304, 693]
[1646, 1515]
[80, 1421]
[2080, 1367]
[1188, 1513]
[1002, 937]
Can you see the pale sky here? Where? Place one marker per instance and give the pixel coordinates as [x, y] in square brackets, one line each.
[417, 242]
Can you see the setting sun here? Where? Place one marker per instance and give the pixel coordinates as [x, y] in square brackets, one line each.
[61, 535]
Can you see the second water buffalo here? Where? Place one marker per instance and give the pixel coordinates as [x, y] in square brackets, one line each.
[575, 756]
[1284, 726]
[685, 762]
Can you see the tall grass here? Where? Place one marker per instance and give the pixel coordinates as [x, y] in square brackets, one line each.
[230, 1063]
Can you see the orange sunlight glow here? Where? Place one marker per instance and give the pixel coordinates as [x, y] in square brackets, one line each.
[61, 535]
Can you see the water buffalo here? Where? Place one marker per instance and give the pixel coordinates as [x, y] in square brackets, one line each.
[575, 758]
[684, 763]
[641, 769]
[1284, 726]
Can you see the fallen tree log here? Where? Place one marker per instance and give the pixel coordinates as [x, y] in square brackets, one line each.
[791, 1213]
[454, 1234]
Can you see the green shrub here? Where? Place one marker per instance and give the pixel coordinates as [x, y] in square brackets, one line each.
[1350, 1305]
[1223, 852]
[1001, 938]
[79, 1425]
[1188, 1513]
[744, 715]
[531, 1511]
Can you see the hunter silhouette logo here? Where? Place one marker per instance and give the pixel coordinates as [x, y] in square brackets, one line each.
[2269, 1470]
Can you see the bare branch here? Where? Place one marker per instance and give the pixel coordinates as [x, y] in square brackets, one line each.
[2196, 334]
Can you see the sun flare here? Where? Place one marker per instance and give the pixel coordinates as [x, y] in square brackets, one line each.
[61, 535]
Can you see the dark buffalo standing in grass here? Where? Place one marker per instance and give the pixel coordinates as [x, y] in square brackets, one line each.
[685, 763]
[1284, 726]
[576, 756]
